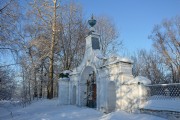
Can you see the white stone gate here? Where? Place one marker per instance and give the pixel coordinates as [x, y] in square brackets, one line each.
[111, 74]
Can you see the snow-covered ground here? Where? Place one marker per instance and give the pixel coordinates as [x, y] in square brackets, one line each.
[50, 110]
[168, 104]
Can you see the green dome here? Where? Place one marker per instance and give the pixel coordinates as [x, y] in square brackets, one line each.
[92, 22]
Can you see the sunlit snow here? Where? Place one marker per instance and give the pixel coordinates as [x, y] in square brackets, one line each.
[50, 110]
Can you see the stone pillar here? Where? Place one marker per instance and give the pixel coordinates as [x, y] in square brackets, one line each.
[64, 91]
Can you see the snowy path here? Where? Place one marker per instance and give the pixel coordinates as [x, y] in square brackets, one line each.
[49, 110]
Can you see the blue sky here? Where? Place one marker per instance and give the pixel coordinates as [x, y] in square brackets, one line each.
[134, 18]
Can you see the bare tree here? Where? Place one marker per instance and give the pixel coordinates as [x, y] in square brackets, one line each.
[55, 41]
[46, 15]
[9, 16]
[150, 65]
[166, 40]
[72, 36]
[109, 35]
[7, 84]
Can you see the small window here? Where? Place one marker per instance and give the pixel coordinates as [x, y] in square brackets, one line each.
[95, 43]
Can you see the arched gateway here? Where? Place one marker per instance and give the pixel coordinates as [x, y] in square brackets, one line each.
[88, 87]
[98, 82]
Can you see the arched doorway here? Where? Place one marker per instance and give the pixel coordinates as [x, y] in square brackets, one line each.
[74, 95]
[111, 96]
[88, 88]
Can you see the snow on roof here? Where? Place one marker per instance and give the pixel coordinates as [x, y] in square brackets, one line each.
[117, 58]
[143, 80]
[126, 60]
[99, 55]
[140, 79]
[66, 71]
[75, 71]
[120, 58]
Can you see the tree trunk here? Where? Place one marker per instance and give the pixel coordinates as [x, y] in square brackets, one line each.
[50, 82]
[29, 88]
[35, 85]
[41, 82]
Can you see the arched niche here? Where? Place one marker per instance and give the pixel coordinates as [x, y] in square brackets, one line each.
[111, 96]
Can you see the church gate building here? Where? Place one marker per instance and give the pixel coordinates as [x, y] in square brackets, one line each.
[106, 84]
